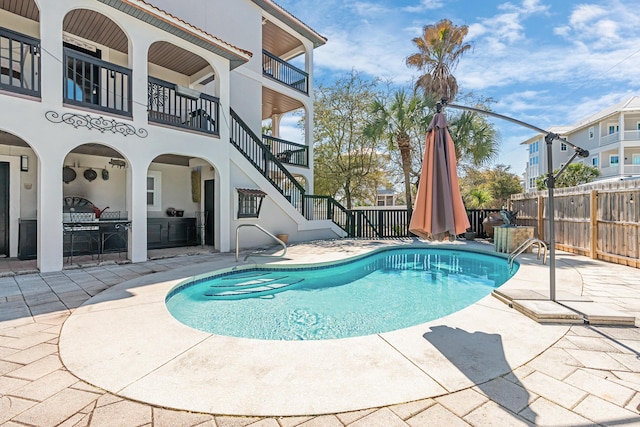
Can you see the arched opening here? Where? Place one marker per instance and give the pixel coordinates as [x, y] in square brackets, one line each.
[20, 47]
[18, 197]
[95, 58]
[182, 208]
[182, 89]
[94, 208]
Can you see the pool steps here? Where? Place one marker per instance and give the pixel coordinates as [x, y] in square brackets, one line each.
[257, 286]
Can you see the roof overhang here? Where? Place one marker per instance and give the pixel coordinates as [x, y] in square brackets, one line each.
[289, 19]
[165, 21]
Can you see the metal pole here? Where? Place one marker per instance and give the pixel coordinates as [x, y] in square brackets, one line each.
[551, 179]
[551, 184]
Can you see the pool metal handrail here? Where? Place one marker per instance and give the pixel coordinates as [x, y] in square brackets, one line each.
[284, 246]
[526, 245]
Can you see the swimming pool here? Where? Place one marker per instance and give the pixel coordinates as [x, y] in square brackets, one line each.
[386, 290]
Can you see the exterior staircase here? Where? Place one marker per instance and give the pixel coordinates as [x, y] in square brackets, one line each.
[310, 206]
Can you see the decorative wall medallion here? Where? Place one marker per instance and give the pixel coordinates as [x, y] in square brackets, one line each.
[99, 123]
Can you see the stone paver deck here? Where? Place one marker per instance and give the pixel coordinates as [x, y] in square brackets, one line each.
[587, 375]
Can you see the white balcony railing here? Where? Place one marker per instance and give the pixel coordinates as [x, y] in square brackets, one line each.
[632, 169]
[609, 139]
[631, 135]
[610, 171]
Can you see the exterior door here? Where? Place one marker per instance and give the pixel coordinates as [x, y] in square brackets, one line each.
[4, 209]
[208, 208]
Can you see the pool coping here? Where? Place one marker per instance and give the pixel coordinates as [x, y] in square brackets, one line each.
[125, 341]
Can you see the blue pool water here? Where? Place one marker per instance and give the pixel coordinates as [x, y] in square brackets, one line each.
[387, 290]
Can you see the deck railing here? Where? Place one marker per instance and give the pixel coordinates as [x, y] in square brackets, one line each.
[173, 105]
[96, 84]
[326, 207]
[285, 73]
[287, 152]
[19, 63]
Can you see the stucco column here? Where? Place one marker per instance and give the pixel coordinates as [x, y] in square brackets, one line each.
[137, 207]
[275, 125]
[51, 53]
[308, 120]
[50, 249]
[138, 54]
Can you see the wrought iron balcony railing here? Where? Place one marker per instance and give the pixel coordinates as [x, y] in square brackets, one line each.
[287, 152]
[96, 84]
[277, 69]
[19, 63]
[185, 108]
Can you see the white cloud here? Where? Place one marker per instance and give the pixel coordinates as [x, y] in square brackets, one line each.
[424, 6]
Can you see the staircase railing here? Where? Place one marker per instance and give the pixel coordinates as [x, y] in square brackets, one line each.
[251, 146]
[326, 207]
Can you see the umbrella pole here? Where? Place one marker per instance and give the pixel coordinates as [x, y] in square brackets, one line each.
[551, 178]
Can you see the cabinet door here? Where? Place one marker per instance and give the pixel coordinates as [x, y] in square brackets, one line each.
[178, 232]
[154, 234]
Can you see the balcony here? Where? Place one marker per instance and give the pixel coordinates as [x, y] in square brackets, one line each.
[96, 84]
[287, 152]
[285, 73]
[176, 106]
[19, 63]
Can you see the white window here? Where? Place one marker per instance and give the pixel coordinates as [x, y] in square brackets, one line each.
[614, 159]
[636, 159]
[154, 190]
[592, 133]
[594, 161]
[563, 147]
[612, 128]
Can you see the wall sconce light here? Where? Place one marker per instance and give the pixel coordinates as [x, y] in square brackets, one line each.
[631, 198]
[24, 163]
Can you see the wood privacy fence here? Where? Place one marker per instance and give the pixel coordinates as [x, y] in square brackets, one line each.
[599, 220]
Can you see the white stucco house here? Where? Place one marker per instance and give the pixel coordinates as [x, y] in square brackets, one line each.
[612, 137]
[146, 120]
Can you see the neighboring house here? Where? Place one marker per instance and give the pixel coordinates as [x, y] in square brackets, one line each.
[386, 197]
[612, 137]
[151, 115]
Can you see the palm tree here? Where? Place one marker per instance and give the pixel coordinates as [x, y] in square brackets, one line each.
[439, 49]
[475, 138]
[396, 121]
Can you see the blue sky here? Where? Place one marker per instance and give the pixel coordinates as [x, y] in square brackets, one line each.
[543, 62]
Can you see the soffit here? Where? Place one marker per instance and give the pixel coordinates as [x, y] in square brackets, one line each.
[175, 58]
[25, 8]
[276, 103]
[96, 27]
[277, 41]
[293, 22]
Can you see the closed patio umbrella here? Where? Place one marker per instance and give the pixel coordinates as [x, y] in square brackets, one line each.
[439, 212]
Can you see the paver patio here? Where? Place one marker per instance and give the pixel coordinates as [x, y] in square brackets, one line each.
[589, 376]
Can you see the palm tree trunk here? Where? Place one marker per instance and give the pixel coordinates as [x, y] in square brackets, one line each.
[404, 145]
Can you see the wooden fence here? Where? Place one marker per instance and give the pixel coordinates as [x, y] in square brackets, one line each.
[599, 220]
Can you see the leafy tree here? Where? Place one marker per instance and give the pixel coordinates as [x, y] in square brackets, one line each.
[574, 174]
[478, 198]
[394, 119]
[498, 182]
[347, 164]
[440, 47]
